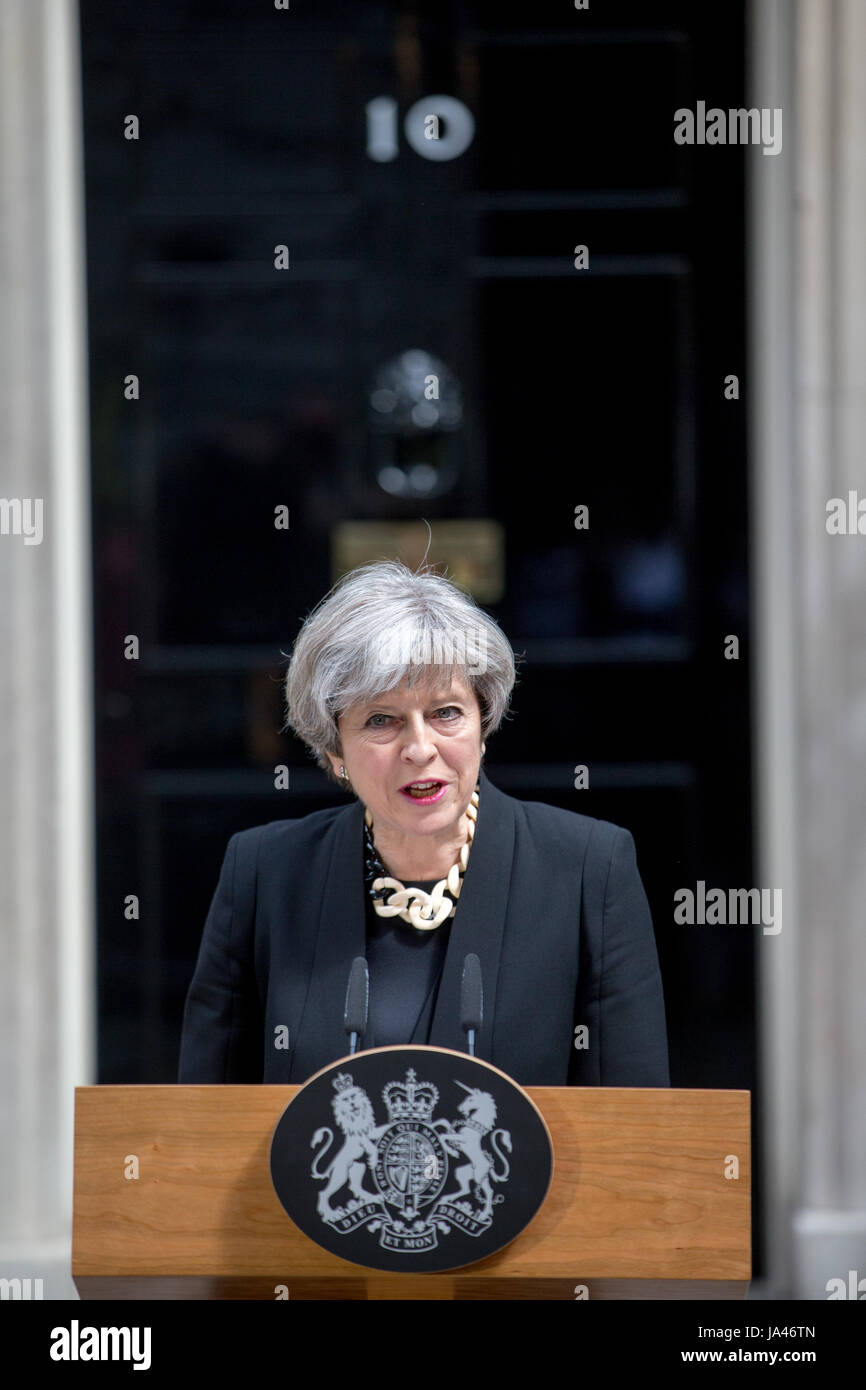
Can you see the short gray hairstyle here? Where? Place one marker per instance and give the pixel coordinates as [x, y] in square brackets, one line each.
[384, 623]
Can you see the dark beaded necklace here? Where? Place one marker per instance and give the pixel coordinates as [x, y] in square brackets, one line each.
[373, 868]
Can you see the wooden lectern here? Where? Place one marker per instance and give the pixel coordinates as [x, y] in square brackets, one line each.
[650, 1199]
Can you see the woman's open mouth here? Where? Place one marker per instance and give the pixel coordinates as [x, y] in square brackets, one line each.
[425, 793]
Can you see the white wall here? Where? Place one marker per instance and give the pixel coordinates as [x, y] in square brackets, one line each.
[46, 803]
[808, 364]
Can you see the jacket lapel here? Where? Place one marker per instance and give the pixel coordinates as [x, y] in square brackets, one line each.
[341, 936]
[479, 922]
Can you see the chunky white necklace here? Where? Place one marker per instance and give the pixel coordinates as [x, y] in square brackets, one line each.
[420, 909]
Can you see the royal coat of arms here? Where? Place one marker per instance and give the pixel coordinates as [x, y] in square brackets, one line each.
[414, 1176]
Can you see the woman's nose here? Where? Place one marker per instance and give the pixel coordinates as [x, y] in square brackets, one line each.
[418, 740]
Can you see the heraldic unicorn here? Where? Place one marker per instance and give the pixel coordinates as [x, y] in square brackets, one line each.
[393, 1177]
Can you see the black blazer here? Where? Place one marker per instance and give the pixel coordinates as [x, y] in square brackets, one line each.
[552, 903]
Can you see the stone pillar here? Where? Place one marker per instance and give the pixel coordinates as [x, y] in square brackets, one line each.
[46, 802]
[808, 446]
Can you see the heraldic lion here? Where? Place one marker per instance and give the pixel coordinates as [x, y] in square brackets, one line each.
[354, 1115]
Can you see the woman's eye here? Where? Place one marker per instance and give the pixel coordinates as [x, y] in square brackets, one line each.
[448, 712]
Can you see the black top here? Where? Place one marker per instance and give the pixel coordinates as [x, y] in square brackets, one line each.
[405, 968]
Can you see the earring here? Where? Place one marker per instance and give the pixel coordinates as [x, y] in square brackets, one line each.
[344, 777]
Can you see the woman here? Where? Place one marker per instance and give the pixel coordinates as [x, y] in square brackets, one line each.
[395, 683]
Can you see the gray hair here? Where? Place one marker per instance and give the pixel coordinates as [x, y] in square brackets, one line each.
[384, 623]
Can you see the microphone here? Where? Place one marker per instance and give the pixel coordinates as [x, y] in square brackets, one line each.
[471, 999]
[357, 1002]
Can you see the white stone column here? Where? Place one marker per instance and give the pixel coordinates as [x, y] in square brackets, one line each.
[808, 446]
[46, 801]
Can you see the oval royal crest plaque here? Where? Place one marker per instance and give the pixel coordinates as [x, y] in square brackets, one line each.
[411, 1159]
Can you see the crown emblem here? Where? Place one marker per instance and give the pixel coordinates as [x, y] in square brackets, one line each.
[342, 1082]
[410, 1099]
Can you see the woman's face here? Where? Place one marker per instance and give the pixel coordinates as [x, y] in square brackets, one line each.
[429, 734]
